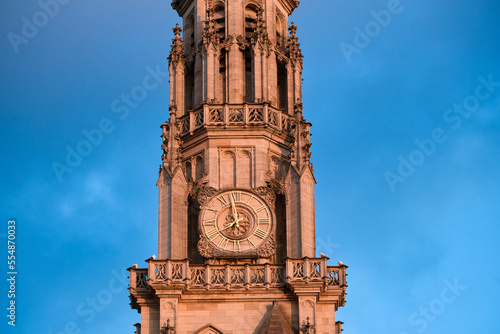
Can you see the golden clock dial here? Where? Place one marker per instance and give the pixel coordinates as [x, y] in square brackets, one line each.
[236, 221]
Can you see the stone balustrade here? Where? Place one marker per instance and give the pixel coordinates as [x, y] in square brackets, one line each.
[236, 115]
[237, 275]
[138, 278]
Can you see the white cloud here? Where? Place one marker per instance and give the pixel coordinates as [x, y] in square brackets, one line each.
[97, 188]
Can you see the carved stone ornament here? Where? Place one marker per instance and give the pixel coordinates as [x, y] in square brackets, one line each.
[133, 303]
[308, 303]
[277, 185]
[242, 42]
[205, 193]
[227, 43]
[268, 249]
[268, 194]
[205, 247]
[169, 305]
[210, 36]
[165, 137]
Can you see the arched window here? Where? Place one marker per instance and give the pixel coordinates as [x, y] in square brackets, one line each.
[199, 168]
[280, 31]
[248, 58]
[189, 33]
[220, 20]
[189, 170]
[219, 15]
[250, 20]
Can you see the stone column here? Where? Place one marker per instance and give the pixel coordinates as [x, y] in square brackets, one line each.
[297, 71]
[272, 79]
[199, 86]
[236, 64]
[180, 87]
[290, 88]
[210, 74]
[257, 72]
[172, 235]
[150, 318]
[301, 236]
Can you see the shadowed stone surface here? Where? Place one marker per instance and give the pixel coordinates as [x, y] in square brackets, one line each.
[276, 323]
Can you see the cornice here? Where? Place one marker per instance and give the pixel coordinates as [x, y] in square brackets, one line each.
[181, 6]
[289, 5]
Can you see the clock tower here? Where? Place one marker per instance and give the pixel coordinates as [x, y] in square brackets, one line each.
[236, 230]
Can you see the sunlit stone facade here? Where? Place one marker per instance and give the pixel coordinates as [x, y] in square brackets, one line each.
[237, 247]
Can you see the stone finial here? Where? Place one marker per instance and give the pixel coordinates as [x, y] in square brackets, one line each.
[293, 45]
[210, 35]
[177, 50]
[293, 30]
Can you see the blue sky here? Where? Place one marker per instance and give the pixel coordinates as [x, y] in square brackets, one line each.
[408, 191]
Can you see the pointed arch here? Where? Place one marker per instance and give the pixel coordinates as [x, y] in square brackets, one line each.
[209, 329]
[250, 21]
[280, 29]
[219, 10]
[219, 16]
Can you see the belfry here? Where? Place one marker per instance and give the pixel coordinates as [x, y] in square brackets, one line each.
[236, 230]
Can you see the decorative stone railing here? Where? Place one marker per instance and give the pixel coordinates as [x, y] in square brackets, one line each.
[237, 276]
[236, 114]
[138, 278]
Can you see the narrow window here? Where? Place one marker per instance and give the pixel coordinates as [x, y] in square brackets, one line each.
[189, 86]
[223, 73]
[220, 26]
[250, 29]
[249, 76]
[250, 21]
[282, 85]
[189, 171]
[279, 32]
[220, 21]
[199, 168]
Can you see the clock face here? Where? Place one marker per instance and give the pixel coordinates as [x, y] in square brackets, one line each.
[236, 221]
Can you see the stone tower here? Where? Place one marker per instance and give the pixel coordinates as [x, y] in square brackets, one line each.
[236, 248]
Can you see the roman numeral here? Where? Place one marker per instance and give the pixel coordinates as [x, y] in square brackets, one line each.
[223, 243]
[214, 210]
[250, 243]
[264, 221]
[236, 196]
[210, 222]
[222, 200]
[212, 233]
[249, 200]
[260, 209]
[259, 233]
[236, 245]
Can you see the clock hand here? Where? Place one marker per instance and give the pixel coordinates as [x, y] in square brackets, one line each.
[233, 209]
[227, 226]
